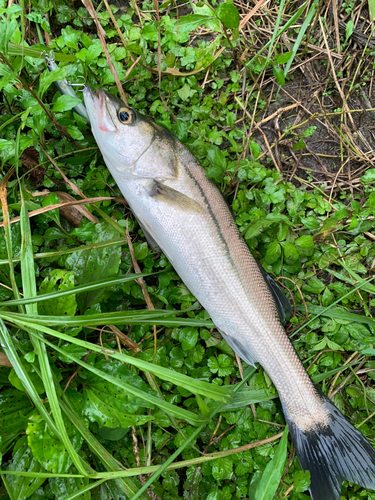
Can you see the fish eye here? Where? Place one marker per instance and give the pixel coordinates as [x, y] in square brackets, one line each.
[126, 116]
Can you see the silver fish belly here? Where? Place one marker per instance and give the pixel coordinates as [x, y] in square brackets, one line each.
[185, 214]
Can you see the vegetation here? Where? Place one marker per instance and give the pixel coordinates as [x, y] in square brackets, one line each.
[116, 385]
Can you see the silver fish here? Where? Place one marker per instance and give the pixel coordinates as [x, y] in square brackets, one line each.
[65, 87]
[184, 213]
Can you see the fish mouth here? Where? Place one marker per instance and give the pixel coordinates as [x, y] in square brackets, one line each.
[99, 108]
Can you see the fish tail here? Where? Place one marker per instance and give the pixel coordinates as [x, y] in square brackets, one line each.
[333, 452]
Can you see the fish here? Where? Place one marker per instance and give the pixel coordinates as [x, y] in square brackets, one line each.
[184, 213]
[65, 87]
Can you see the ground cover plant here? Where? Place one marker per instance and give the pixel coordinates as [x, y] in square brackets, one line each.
[114, 382]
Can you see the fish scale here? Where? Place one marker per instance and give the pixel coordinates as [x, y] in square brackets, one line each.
[185, 214]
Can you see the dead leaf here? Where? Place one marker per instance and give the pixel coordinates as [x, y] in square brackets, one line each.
[4, 361]
[30, 160]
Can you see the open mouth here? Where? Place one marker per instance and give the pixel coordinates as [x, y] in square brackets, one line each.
[105, 122]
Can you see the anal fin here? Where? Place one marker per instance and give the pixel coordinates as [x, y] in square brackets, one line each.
[239, 347]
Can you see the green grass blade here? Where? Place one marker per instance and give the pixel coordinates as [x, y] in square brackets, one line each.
[213, 391]
[172, 458]
[170, 408]
[82, 248]
[18, 50]
[305, 25]
[286, 26]
[29, 290]
[110, 463]
[22, 374]
[337, 313]
[273, 472]
[146, 317]
[95, 285]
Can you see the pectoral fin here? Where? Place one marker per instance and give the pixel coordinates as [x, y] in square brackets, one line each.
[173, 198]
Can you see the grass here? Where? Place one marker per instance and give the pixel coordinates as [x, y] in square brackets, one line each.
[119, 384]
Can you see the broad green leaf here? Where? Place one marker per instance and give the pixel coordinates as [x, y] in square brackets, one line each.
[283, 58]
[290, 251]
[314, 285]
[94, 265]
[273, 253]
[65, 103]
[222, 468]
[100, 407]
[77, 351]
[257, 227]
[33, 376]
[301, 480]
[369, 176]
[7, 29]
[278, 73]
[22, 487]
[59, 306]
[228, 15]
[188, 338]
[15, 408]
[192, 22]
[305, 241]
[48, 77]
[47, 449]
[349, 29]
[62, 487]
[271, 476]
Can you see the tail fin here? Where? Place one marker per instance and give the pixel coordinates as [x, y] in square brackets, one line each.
[334, 453]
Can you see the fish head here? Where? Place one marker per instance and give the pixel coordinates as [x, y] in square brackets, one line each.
[131, 143]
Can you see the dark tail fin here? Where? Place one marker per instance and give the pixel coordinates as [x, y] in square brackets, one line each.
[334, 453]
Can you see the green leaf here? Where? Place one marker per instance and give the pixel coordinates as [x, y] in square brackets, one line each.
[228, 15]
[271, 476]
[48, 77]
[184, 92]
[301, 480]
[15, 408]
[314, 285]
[47, 449]
[7, 29]
[273, 253]
[222, 468]
[278, 74]
[65, 103]
[257, 227]
[77, 351]
[101, 408]
[59, 306]
[305, 241]
[33, 376]
[349, 29]
[192, 22]
[188, 338]
[290, 251]
[95, 264]
[369, 176]
[63, 487]
[23, 461]
[283, 58]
